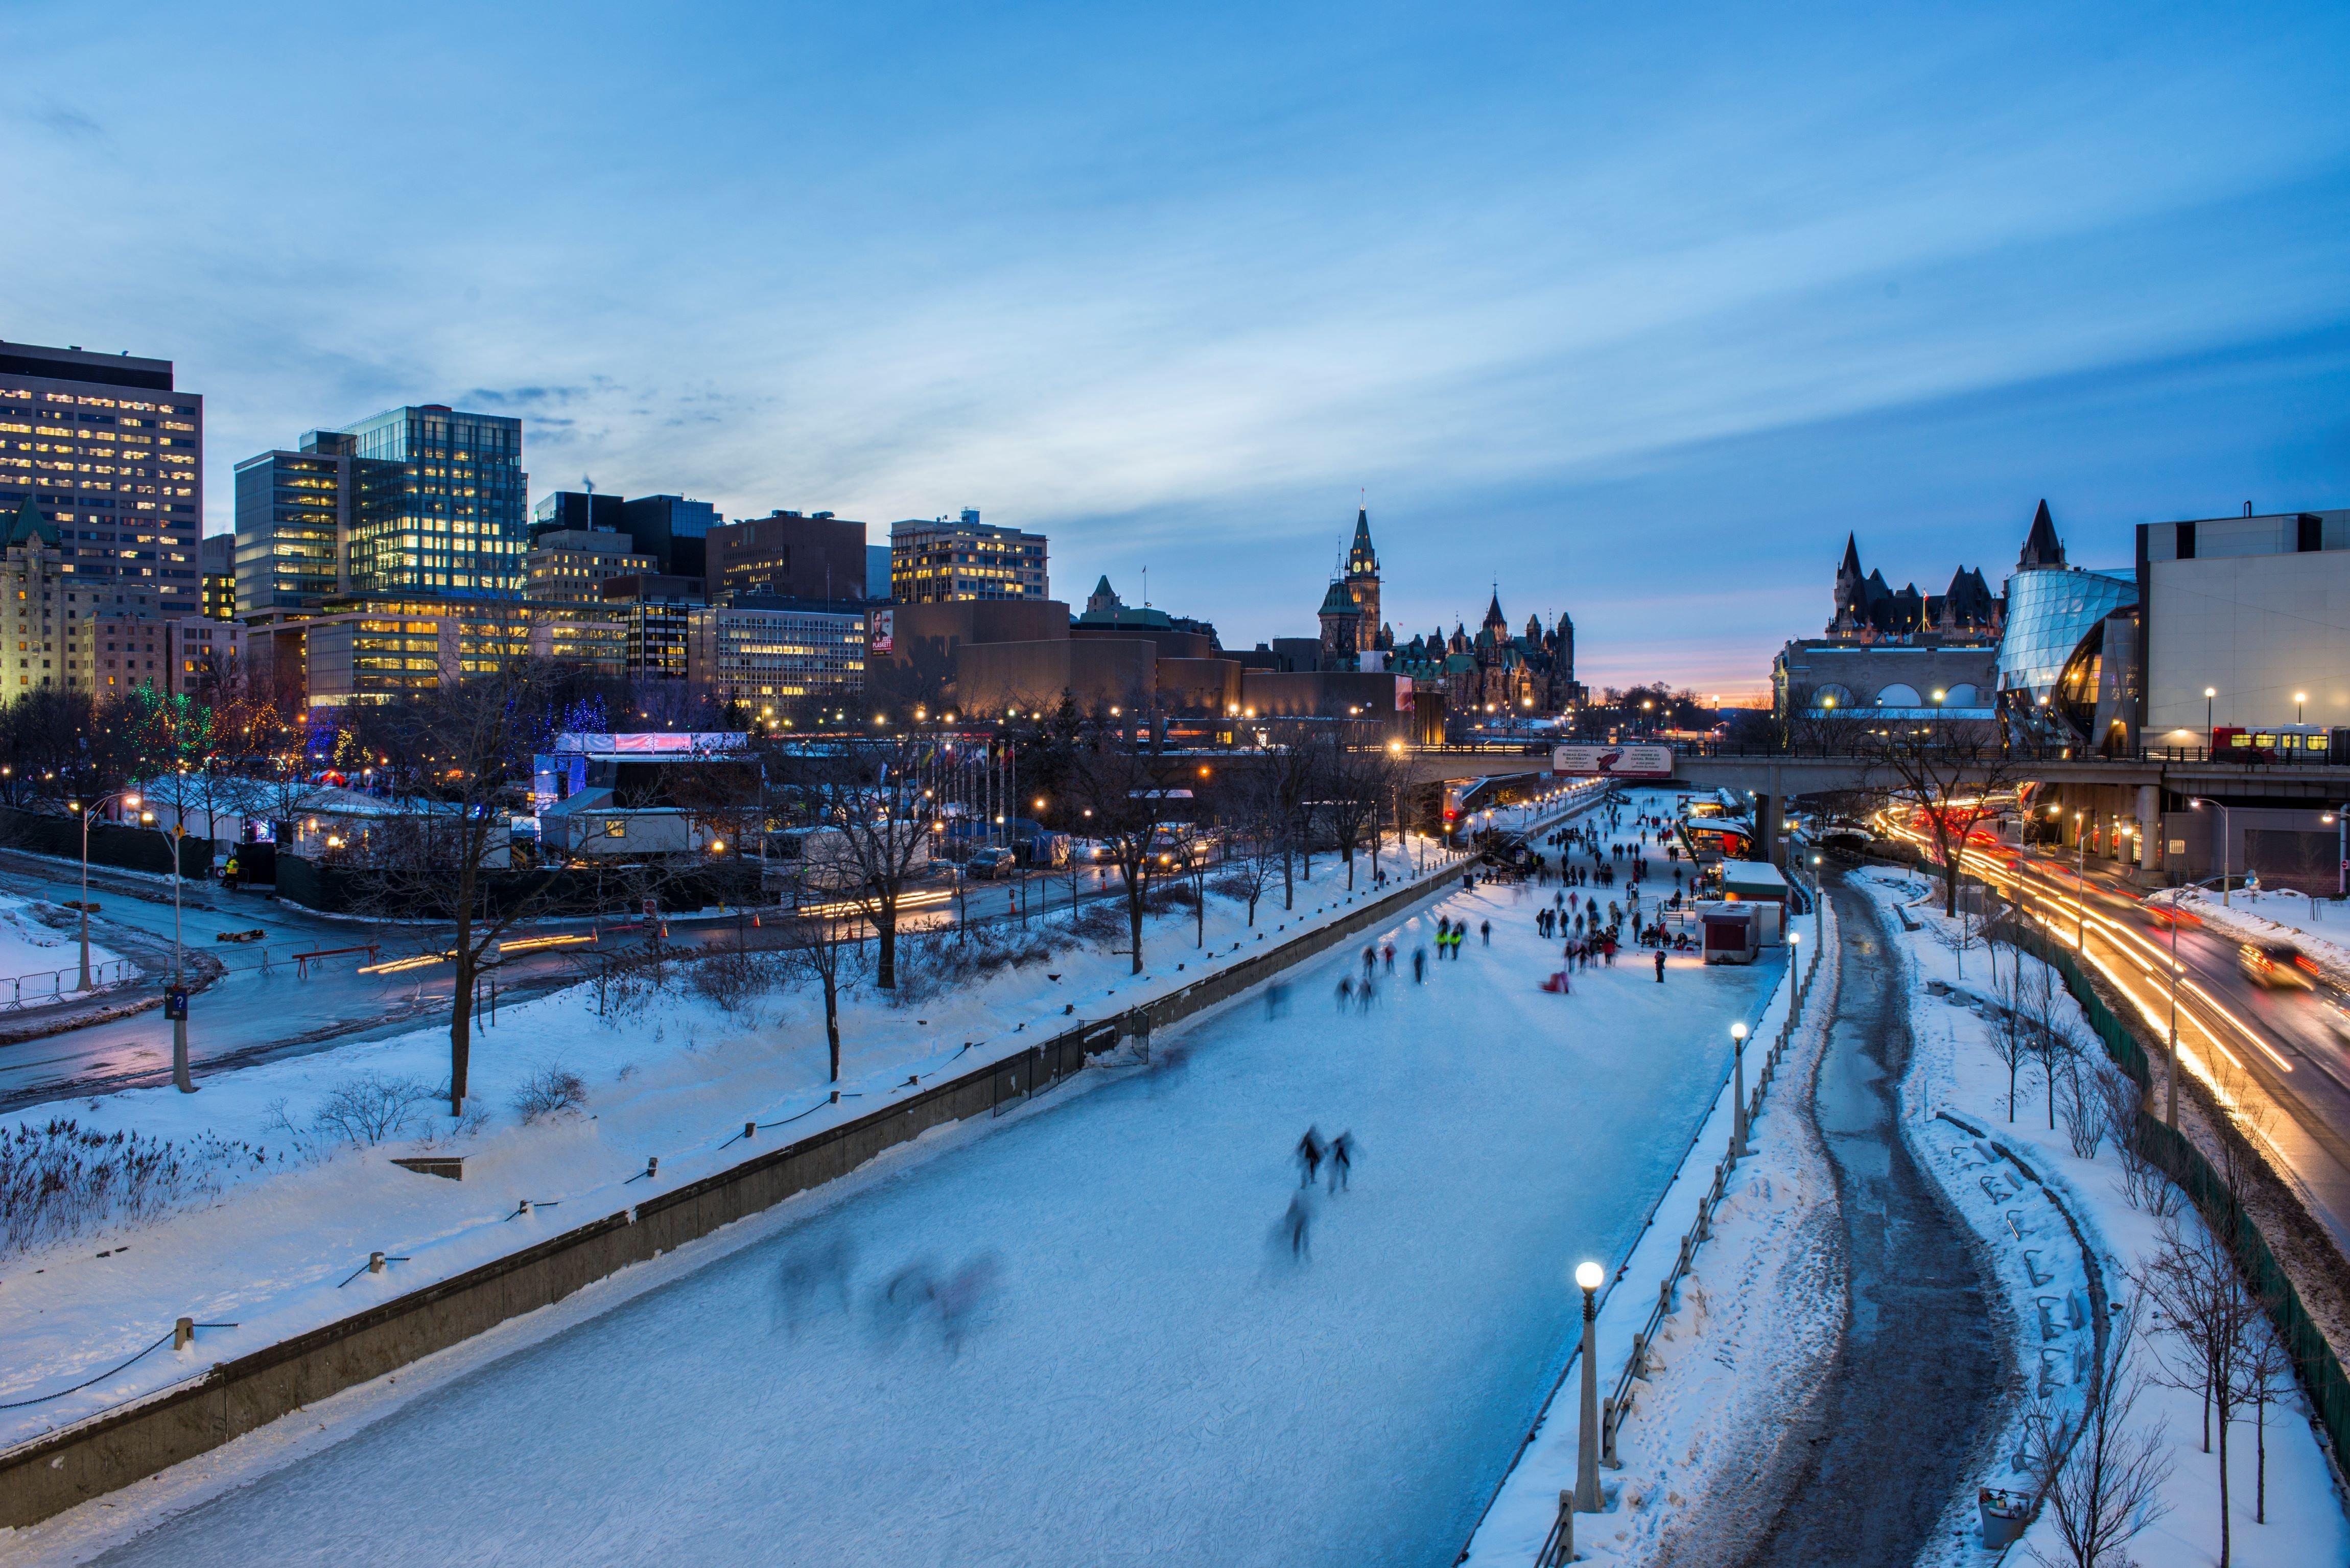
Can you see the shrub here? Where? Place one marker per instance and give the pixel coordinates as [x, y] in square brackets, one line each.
[369, 1107]
[551, 1091]
[61, 1180]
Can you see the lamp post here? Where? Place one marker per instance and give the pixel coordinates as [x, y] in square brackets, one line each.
[176, 999]
[2299, 698]
[2170, 1086]
[1738, 1090]
[2209, 692]
[128, 798]
[2080, 888]
[2200, 799]
[1588, 1275]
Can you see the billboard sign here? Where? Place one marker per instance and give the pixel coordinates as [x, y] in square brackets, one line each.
[881, 635]
[1405, 686]
[1613, 761]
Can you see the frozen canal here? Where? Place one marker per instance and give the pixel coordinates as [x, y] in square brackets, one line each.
[1151, 1377]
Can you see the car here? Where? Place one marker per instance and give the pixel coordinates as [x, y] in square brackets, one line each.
[2165, 916]
[993, 861]
[2279, 966]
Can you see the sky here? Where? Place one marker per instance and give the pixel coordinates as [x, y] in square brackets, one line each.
[1631, 316]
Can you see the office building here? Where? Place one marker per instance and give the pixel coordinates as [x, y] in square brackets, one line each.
[454, 525]
[33, 606]
[379, 649]
[111, 454]
[877, 573]
[216, 559]
[572, 565]
[2254, 608]
[575, 511]
[673, 529]
[943, 561]
[794, 554]
[659, 636]
[294, 513]
[780, 663]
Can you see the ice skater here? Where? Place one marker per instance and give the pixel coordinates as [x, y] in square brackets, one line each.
[1309, 1157]
[1298, 1221]
[1345, 991]
[1419, 966]
[1485, 929]
[1660, 966]
[1342, 1160]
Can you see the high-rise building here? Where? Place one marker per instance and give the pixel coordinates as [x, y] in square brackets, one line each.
[877, 573]
[294, 513]
[944, 560]
[454, 522]
[111, 454]
[33, 606]
[673, 531]
[818, 556]
[216, 556]
[575, 511]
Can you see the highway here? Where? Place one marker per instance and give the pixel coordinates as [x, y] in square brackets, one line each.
[2278, 1059]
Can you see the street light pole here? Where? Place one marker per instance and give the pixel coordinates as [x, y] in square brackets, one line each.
[179, 1079]
[2209, 692]
[2080, 889]
[2170, 1087]
[128, 798]
[1587, 1447]
[1738, 1089]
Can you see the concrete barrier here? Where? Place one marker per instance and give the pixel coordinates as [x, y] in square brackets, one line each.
[96, 1456]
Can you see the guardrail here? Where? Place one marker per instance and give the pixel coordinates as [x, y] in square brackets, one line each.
[48, 986]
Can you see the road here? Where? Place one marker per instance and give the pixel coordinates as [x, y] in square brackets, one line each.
[2281, 1058]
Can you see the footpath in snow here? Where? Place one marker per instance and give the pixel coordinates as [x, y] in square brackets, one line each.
[1105, 1343]
[2017, 1180]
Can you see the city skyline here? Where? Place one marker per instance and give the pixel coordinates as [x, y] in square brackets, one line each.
[1677, 305]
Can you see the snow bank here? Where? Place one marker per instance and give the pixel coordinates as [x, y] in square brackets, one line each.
[1956, 1092]
[29, 949]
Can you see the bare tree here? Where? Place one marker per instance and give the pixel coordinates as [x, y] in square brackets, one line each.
[1352, 781]
[2049, 1035]
[2099, 1476]
[2011, 1030]
[1127, 789]
[1253, 837]
[871, 798]
[1289, 774]
[1946, 774]
[1194, 848]
[820, 944]
[2265, 1376]
[2205, 1321]
[457, 757]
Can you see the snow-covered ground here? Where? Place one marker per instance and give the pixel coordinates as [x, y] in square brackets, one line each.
[29, 949]
[2044, 1274]
[2318, 927]
[1151, 1375]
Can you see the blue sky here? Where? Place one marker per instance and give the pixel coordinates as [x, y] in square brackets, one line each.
[1633, 315]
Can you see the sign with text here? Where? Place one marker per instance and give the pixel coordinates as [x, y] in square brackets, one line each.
[882, 631]
[1613, 761]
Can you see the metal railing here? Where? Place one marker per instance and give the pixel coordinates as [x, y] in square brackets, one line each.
[48, 986]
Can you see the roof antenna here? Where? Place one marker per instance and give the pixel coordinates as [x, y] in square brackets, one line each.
[1146, 588]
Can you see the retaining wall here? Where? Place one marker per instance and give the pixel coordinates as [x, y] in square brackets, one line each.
[53, 1473]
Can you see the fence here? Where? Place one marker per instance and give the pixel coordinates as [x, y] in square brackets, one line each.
[49, 985]
[2314, 1363]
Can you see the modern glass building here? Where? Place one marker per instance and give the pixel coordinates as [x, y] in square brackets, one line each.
[2048, 610]
[291, 511]
[452, 521]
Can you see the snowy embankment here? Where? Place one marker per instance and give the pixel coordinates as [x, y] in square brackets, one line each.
[1749, 1331]
[2016, 1180]
[2274, 917]
[30, 949]
[294, 1206]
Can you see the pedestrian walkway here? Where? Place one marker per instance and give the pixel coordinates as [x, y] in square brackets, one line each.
[1920, 1369]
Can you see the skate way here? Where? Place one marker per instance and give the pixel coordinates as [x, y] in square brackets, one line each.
[1152, 1377]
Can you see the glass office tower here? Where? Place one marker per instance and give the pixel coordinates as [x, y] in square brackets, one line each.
[438, 505]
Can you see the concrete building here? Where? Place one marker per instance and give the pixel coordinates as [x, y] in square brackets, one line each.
[573, 566]
[379, 649]
[112, 454]
[2254, 608]
[660, 638]
[944, 561]
[795, 555]
[1927, 679]
[782, 661]
[33, 606]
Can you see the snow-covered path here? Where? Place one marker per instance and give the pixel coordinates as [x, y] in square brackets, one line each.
[1152, 1377]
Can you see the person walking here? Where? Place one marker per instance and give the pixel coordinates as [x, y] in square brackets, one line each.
[1419, 966]
[1485, 929]
[1660, 966]
[1309, 1157]
[1342, 1160]
[1298, 1222]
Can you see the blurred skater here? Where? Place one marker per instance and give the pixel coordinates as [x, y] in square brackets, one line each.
[1342, 1160]
[1309, 1157]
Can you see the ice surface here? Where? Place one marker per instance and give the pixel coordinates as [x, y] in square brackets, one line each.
[1151, 1376]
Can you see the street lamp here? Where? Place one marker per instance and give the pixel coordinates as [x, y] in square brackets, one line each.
[128, 798]
[2200, 799]
[2080, 888]
[1738, 1090]
[2209, 692]
[1588, 1275]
